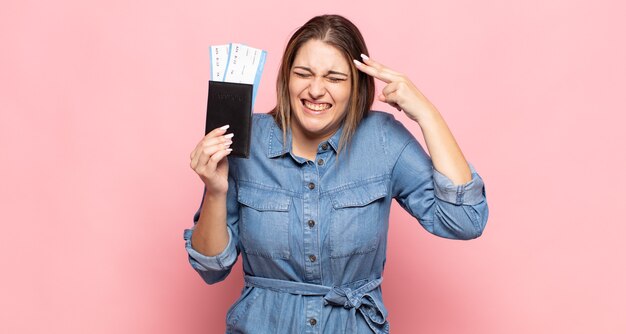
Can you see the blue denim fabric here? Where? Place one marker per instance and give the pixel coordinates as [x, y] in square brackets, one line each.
[313, 234]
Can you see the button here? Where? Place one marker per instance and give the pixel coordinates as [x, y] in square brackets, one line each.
[320, 162]
[311, 185]
[312, 321]
[325, 146]
[312, 258]
[311, 223]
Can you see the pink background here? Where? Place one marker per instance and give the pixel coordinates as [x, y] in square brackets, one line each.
[102, 102]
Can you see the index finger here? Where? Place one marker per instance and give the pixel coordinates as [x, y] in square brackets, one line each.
[371, 62]
[216, 131]
[375, 72]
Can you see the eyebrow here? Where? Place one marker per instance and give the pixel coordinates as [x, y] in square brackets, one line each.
[329, 72]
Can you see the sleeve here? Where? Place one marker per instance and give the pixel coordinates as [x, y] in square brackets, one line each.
[442, 208]
[214, 269]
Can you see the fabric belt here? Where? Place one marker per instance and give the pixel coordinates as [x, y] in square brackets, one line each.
[350, 297]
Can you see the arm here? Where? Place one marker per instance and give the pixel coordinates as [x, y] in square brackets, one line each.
[214, 267]
[442, 208]
[211, 243]
[210, 235]
[449, 200]
[402, 94]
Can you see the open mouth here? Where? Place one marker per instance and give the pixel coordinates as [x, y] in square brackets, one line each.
[316, 106]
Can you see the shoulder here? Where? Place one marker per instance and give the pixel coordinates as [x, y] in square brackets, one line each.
[381, 135]
[262, 119]
[386, 127]
[262, 125]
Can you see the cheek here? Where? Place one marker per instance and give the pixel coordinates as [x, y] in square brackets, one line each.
[291, 90]
[342, 95]
[295, 88]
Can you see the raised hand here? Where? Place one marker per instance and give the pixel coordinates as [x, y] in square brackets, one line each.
[208, 160]
[399, 92]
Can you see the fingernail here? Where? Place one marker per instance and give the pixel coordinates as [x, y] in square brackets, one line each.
[230, 135]
[228, 143]
[364, 57]
[229, 149]
[224, 127]
[357, 63]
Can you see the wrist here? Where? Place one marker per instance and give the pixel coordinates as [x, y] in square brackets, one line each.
[426, 115]
[214, 196]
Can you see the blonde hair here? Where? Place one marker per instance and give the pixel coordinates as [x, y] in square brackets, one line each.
[339, 32]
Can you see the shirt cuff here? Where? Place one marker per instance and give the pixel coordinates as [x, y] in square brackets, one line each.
[470, 193]
[222, 261]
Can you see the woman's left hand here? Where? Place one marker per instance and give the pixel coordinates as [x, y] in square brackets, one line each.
[399, 92]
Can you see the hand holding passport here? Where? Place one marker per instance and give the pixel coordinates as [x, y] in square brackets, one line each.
[235, 75]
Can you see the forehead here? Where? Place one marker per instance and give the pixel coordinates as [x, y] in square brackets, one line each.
[321, 57]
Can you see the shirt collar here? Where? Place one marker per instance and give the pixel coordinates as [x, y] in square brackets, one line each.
[276, 147]
[334, 139]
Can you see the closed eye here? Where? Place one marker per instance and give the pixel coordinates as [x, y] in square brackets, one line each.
[302, 75]
[336, 80]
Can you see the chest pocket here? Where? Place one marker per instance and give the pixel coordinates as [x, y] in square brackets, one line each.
[358, 221]
[264, 222]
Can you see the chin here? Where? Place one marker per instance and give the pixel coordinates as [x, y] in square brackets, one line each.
[313, 125]
[316, 122]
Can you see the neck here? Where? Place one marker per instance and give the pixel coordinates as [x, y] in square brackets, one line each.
[304, 145]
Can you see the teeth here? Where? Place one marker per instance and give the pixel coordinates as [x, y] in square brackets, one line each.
[317, 106]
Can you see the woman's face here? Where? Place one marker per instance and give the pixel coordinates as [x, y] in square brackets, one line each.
[319, 90]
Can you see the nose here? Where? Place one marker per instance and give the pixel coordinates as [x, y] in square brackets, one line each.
[316, 88]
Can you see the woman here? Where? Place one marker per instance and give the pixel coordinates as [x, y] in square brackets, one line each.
[309, 210]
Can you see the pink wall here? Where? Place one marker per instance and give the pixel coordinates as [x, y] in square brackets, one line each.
[102, 101]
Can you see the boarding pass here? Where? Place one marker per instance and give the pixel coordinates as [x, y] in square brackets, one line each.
[237, 63]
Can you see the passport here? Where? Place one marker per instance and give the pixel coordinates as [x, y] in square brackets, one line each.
[231, 103]
[235, 76]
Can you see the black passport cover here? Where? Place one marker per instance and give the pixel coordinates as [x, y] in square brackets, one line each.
[231, 103]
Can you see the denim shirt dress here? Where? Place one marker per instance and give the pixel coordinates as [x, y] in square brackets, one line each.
[313, 234]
